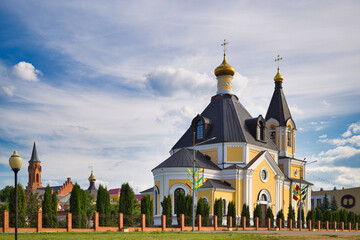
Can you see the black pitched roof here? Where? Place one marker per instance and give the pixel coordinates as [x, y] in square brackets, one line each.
[149, 190]
[211, 183]
[34, 155]
[227, 116]
[278, 108]
[185, 157]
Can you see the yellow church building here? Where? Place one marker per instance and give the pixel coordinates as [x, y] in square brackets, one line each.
[249, 160]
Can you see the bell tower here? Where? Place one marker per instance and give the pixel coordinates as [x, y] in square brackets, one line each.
[34, 171]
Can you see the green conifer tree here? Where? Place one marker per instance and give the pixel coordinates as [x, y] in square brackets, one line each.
[325, 204]
[47, 212]
[127, 204]
[54, 208]
[280, 215]
[218, 210]
[32, 208]
[291, 215]
[203, 208]
[333, 204]
[167, 210]
[269, 214]
[232, 212]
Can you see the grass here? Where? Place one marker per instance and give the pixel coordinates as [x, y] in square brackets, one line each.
[165, 235]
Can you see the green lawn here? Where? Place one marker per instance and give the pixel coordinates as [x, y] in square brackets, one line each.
[165, 235]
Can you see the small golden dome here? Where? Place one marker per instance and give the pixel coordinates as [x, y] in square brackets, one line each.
[224, 69]
[278, 77]
[92, 177]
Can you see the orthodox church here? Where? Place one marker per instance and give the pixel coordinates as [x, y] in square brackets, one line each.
[245, 159]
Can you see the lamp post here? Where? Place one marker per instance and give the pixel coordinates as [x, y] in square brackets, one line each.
[300, 207]
[15, 163]
[193, 178]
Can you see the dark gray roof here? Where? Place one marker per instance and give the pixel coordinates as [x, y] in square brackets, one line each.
[149, 190]
[302, 181]
[185, 157]
[234, 166]
[211, 183]
[34, 155]
[278, 108]
[227, 116]
[254, 159]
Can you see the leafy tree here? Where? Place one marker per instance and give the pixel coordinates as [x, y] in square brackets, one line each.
[91, 206]
[5, 193]
[218, 210]
[54, 208]
[103, 206]
[32, 208]
[333, 204]
[21, 206]
[232, 212]
[291, 215]
[147, 208]
[245, 212]
[270, 214]
[127, 203]
[280, 215]
[203, 208]
[325, 204]
[167, 210]
[258, 214]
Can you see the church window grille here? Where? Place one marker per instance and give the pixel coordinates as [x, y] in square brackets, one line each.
[224, 206]
[176, 195]
[289, 137]
[264, 174]
[200, 129]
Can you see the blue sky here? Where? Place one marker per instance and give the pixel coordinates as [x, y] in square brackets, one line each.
[114, 84]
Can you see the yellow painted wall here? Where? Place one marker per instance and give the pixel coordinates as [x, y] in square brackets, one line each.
[299, 168]
[290, 149]
[212, 153]
[238, 198]
[258, 185]
[229, 196]
[234, 154]
[252, 154]
[286, 193]
[174, 181]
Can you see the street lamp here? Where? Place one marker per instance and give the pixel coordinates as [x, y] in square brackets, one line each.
[300, 207]
[193, 178]
[15, 163]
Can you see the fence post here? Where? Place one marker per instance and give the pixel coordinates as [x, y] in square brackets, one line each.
[268, 223]
[215, 222]
[121, 221]
[280, 224]
[356, 226]
[335, 225]
[327, 225]
[69, 221]
[310, 225]
[319, 225]
[39, 221]
[342, 226]
[163, 222]
[229, 221]
[349, 224]
[96, 221]
[257, 223]
[6, 220]
[199, 222]
[182, 222]
[290, 224]
[143, 222]
[244, 222]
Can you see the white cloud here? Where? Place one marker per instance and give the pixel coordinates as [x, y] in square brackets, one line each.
[27, 71]
[9, 90]
[323, 136]
[353, 128]
[325, 103]
[338, 153]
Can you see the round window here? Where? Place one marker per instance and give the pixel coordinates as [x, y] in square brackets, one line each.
[264, 174]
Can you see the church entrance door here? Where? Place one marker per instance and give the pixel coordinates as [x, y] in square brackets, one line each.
[263, 211]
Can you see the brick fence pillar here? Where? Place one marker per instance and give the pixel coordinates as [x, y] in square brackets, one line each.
[356, 226]
[349, 224]
[318, 225]
[215, 222]
[243, 218]
[309, 225]
[229, 221]
[342, 226]
[199, 222]
[143, 222]
[256, 223]
[96, 221]
[163, 222]
[327, 225]
[268, 223]
[280, 224]
[69, 221]
[182, 222]
[39, 221]
[6, 221]
[290, 224]
[335, 225]
[121, 221]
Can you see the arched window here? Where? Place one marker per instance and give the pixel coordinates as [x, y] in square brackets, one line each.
[288, 132]
[177, 192]
[37, 178]
[272, 133]
[200, 129]
[263, 197]
[224, 206]
[156, 193]
[206, 200]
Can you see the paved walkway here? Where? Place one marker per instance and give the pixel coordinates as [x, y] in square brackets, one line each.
[282, 232]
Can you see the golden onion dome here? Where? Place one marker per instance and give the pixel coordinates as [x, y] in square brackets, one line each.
[92, 177]
[278, 77]
[224, 69]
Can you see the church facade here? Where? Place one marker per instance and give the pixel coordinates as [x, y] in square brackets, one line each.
[245, 159]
